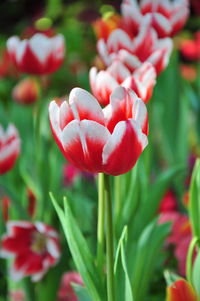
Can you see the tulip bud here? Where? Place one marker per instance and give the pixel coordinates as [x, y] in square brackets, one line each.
[26, 91]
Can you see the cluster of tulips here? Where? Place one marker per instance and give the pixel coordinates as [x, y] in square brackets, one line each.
[103, 132]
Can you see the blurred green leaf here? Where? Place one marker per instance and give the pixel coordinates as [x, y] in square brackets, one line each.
[194, 202]
[196, 274]
[145, 257]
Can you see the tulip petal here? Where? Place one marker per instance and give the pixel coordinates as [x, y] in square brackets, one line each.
[103, 52]
[181, 290]
[124, 104]
[118, 71]
[102, 85]
[123, 148]
[54, 117]
[41, 46]
[118, 39]
[83, 142]
[85, 106]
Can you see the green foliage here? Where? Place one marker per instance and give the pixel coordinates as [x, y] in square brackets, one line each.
[80, 252]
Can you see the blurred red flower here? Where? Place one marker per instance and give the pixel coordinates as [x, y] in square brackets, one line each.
[9, 148]
[166, 17]
[34, 246]
[104, 82]
[26, 91]
[145, 47]
[180, 236]
[38, 55]
[181, 290]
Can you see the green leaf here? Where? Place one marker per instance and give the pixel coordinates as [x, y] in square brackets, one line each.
[196, 274]
[170, 277]
[80, 252]
[194, 203]
[81, 292]
[121, 250]
[150, 205]
[145, 257]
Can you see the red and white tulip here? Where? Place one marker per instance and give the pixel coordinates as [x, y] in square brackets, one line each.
[9, 148]
[166, 17]
[95, 140]
[34, 248]
[104, 82]
[146, 47]
[38, 55]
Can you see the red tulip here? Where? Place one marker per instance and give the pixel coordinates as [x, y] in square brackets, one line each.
[34, 247]
[66, 291]
[9, 148]
[104, 82]
[190, 49]
[181, 290]
[37, 55]
[96, 140]
[166, 17]
[26, 91]
[168, 203]
[146, 47]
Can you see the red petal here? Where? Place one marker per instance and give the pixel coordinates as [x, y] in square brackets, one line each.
[83, 143]
[181, 290]
[123, 148]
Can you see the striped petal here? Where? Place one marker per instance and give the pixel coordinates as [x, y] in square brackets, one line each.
[123, 148]
[124, 105]
[85, 106]
[102, 84]
[83, 142]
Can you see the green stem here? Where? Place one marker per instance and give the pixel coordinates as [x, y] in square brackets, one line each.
[109, 242]
[117, 189]
[101, 221]
[189, 259]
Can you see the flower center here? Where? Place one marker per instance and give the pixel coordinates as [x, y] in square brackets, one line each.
[38, 242]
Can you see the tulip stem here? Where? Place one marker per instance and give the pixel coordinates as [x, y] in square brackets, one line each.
[117, 181]
[192, 245]
[101, 221]
[109, 242]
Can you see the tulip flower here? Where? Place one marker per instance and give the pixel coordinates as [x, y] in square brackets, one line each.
[168, 202]
[146, 47]
[9, 148]
[34, 248]
[26, 91]
[167, 17]
[190, 49]
[104, 26]
[181, 290]
[38, 55]
[66, 291]
[141, 81]
[96, 140]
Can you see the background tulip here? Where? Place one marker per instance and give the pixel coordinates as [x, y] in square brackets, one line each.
[38, 55]
[9, 148]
